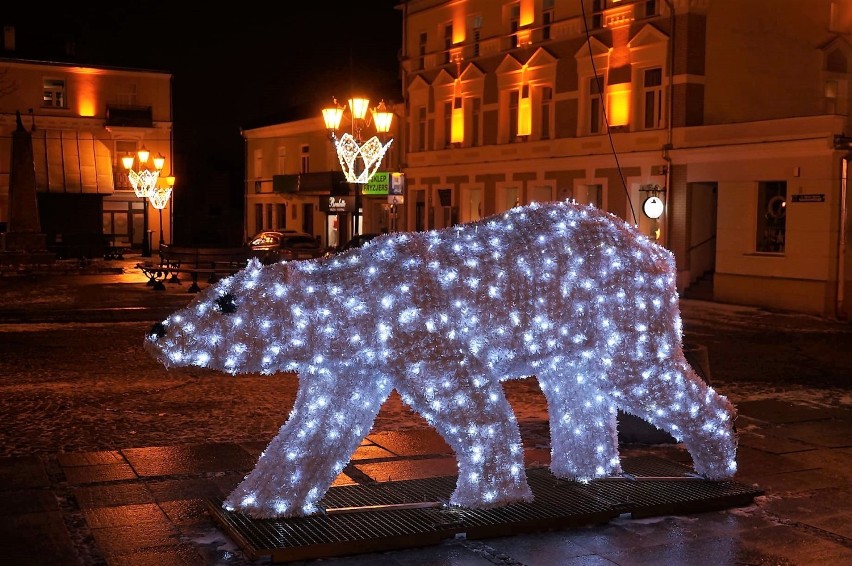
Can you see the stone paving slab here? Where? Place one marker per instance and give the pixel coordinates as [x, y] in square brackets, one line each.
[175, 460]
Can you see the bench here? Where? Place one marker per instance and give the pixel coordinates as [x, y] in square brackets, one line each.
[114, 247]
[194, 261]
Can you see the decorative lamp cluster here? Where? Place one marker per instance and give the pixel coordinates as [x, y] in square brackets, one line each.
[144, 181]
[565, 293]
[359, 159]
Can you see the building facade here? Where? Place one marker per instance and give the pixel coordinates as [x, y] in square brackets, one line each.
[735, 114]
[83, 120]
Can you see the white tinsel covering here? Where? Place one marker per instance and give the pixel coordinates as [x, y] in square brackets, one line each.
[567, 293]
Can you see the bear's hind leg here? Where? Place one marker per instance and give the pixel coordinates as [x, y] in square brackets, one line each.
[583, 427]
[672, 397]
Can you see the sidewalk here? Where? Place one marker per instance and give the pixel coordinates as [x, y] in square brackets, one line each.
[148, 505]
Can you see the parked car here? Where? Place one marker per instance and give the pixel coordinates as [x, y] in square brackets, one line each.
[356, 241]
[271, 246]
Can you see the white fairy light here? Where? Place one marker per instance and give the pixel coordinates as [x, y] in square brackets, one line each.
[452, 315]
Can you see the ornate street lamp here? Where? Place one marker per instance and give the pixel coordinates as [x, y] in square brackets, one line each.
[144, 182]
[359, 159]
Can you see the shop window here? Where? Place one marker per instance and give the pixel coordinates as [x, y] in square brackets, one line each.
[771, 216]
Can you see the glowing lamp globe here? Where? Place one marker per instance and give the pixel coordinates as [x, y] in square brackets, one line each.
[653, 207]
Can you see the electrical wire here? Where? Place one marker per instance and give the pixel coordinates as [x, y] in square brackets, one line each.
[603, 109]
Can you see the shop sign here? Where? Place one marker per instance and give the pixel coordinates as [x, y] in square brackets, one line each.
[378, 184]
[337, 204]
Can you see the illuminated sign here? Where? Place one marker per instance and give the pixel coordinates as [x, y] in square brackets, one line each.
[384, 183]
[337, 204]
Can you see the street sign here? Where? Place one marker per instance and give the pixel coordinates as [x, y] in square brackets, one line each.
[816, 197]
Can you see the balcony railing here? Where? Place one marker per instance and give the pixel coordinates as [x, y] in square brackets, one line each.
[125, 116]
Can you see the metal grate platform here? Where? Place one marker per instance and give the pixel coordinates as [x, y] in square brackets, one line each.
[403, 514]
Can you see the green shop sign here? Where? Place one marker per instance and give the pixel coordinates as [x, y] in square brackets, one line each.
[378, 185]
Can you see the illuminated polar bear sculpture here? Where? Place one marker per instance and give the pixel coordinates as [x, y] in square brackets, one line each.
[563, 292]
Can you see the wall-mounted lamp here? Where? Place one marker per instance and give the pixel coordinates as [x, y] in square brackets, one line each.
[653, 206]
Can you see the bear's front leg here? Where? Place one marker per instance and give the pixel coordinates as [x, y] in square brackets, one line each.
[330, 417]
[475, 419]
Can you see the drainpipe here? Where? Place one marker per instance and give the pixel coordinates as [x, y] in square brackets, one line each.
[669, 125]
[841, 242]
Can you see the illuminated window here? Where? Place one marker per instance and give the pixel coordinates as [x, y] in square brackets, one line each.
[771, 216]
[596, 122]
[457, 121]
[653, 96]
[53, 93]
[525, 112]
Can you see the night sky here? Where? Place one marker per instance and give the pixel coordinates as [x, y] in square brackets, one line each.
[232, 70]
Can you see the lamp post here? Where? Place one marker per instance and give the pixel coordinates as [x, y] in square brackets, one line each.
[144, 182]
[359, 159]
[159, 198]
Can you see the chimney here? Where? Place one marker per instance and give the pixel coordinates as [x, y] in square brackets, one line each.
[9, 38]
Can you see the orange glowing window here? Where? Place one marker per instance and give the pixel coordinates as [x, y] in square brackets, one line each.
[457, 121]
[618, 104]
[524, 112]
